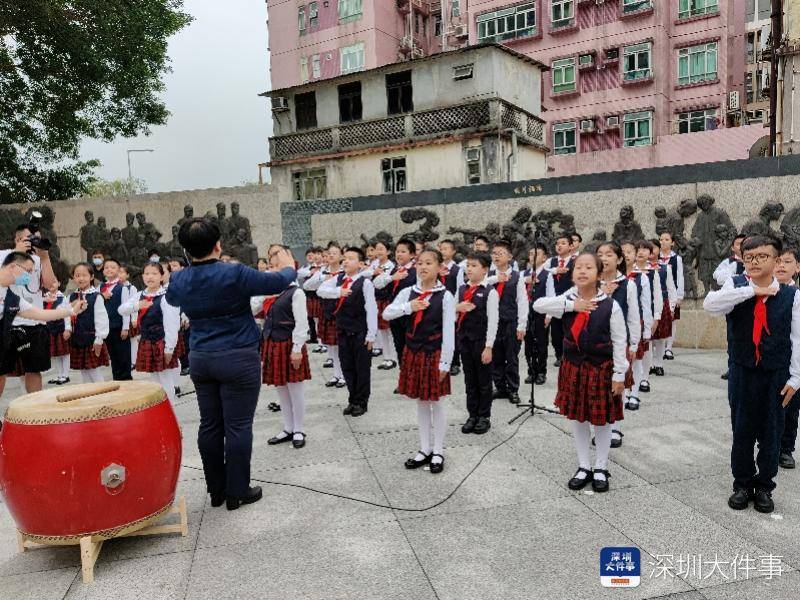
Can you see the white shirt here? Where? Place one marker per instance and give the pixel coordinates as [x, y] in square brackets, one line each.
[385, 278]
[171, 316]
[32, 293]
[299, 314]
[721, 302]
[679, 283]
[401, 306]
[725, 270]
[492, 311]
[64, 304]
[557, 306]
[23, 304]
[522, 298]
[330, 290]
[101, 326]
[645, 301]
[125, 295]
[317, 279]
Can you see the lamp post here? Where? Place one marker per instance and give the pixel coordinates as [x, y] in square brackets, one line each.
[130, 176]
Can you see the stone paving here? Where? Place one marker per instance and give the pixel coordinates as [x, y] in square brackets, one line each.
[512, 530]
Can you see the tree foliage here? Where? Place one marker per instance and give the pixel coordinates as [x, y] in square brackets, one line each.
[116, 187]
[74, 69]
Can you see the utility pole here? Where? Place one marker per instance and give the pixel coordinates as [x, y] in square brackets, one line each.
[777, 36]
[130, 176]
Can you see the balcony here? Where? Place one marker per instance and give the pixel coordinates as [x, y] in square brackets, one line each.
[420, 126]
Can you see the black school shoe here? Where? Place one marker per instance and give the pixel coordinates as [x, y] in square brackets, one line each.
[482, 426]
[358, 410]
[644, 386]
[724, 376]
[217, 499]
[786, 461]
[437, 467]
[328, 364]
[601, 485]
[762, 501]
[377, 352]
[469, 426]
[387, 365]
[668, 355]
[340, 383]
[576, 483]
[254, 494]
[659, 371]
[557, 363]
[616, 442]
[529, 380]
[541, 379]
[632, 403]
[301, 442]
[497, 394]
[274, 441]
[412, 463]
[652, 371]
[739, 499]
[348, 410]
[513, 397]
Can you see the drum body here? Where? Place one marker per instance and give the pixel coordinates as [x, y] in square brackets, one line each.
[103, 465]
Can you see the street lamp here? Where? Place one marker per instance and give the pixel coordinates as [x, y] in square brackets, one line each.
[129, 159]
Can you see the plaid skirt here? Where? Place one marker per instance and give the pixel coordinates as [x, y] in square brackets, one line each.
[644, 348]
[419, 376]
[382, 304]
[83, 359]
[326, 332]
[277, 366]
[133, 331]
[150, 357]
[664, 329]
[180, 347]
[584, 393]
[314, 306]
[58, 345]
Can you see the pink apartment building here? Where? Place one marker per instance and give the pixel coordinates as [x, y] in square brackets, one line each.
[632, 83]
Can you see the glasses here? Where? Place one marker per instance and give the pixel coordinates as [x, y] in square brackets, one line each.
[756, 259]
[30, 271]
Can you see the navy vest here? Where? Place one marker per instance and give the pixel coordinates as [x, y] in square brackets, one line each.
[55, 327]
[638, 281]
[451, 282]
[83, 333]
[662, 276]
[279, 321]
[352, 315]
[739, 267]
[562, 282]
[328, 306]
[595, 343]
[539, 288]
[112, 307]
[621, 297]
[151, 326]
[474, 323]
[651, 276]
[673, 264]
[10, 310]
[776, 346]
[428, 335]
[384, 293]
[395, 287]
[508, 299]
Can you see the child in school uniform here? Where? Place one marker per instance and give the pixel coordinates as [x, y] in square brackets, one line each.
[592, 374]
[763, 318]
[381, 278]
[326, 330]
[513, 323]
[313, 304]
[641, 281]
[624, 292]
[732, 265]
[647, 272]
[356, 314]
[404, 275]
[669, 300]
[451, 277]
[671, 259]
[133, 329]
[115, 294]
[477, 315]
[60, 332]
[561, 267]
[787, 268]
[159, 328]
[539, 283]
[88, 353]
[285, 357]
[429, 313]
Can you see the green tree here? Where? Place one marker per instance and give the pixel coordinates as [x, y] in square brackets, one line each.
[116, 187]
[74, 69]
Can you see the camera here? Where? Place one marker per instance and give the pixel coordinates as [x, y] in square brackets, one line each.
[33, 226]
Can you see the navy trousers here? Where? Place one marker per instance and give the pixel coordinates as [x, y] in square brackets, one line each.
[557, 336]
[790, 427]
[536, 338]
[758, 417]
[477, 378]
[356, 361]
[119, 352]
[505, 358]
[227, 386]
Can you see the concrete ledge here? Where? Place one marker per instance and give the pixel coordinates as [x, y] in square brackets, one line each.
[698, 329]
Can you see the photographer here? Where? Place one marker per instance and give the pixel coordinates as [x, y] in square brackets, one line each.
[35, 358]
[17, 272]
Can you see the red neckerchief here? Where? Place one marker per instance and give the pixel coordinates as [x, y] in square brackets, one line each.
[418, 315]
[468, 294]
[759, 324]
[444, 277]
[578, 325]
[143, 311]
[664, 260]
[108, 285]
[396, 283]
[632, 275]
[345, 285]
[500, 287]
[267, 304]
[561, 264]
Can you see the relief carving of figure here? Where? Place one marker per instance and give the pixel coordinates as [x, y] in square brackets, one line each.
[627, 228]
[761, 225]
[704, 235]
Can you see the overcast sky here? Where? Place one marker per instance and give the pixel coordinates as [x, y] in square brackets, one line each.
[218, 130]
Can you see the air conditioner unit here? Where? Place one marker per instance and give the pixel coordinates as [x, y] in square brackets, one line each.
[587, 125]
[280, 103]
[461, 31]
[417, 52]
[733, 100]
[585, 60]
[599, 2]
[473, 154]
[612, 121]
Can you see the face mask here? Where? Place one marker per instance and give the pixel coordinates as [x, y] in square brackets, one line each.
[97, 262]
[23, 279]
[154, 258]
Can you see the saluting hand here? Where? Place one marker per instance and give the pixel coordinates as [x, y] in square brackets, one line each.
[145, 303]
[609, 287]
[345, 292]
[765, 291]
[581, 305]
[502, 277]
[417, 304]
[399, 275]
[465, 307]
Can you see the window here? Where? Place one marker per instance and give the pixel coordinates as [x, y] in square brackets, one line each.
[394, 175]
[303, 69]
[350, 102]
[697, 120]
[455, 10]
[313, 15]
[750, 52]
[301, 19]
[399, 93]
[564, 138]
[316, 70]
[352, 58]
[473, 166]
[563, 75]
[748, 84]
[349, 10]
[561, 12]
[694, 8]
[509, 23]
[437, 25]
[697, 63]
[612, 54]
[463, 71]
[629, 6]
[636, 62]
[305, 106]
[638, 128]
[310, 185]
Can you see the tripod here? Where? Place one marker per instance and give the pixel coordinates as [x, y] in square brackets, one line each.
[531, 361]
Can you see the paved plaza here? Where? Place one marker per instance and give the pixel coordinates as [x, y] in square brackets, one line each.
[513, 530]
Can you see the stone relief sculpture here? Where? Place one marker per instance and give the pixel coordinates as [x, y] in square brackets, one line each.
[627, 228]
[704, 235]
[425, 233]
[89, 235]
[762, 225]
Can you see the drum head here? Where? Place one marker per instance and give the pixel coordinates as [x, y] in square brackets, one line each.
[84, 402]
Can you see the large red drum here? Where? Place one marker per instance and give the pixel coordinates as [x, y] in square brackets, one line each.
[98, 459]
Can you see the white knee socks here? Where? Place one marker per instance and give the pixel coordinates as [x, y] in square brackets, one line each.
[286, 410]
[293, 408]
[581, 435]
[92, 375]
[431, 413]
[333, 352]
[658, 352]
[424, 422]
[134, 349]
[671, 338]
[165, 380]
[387, 344]
[602, 440]
[647, 362]
[61, 366]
